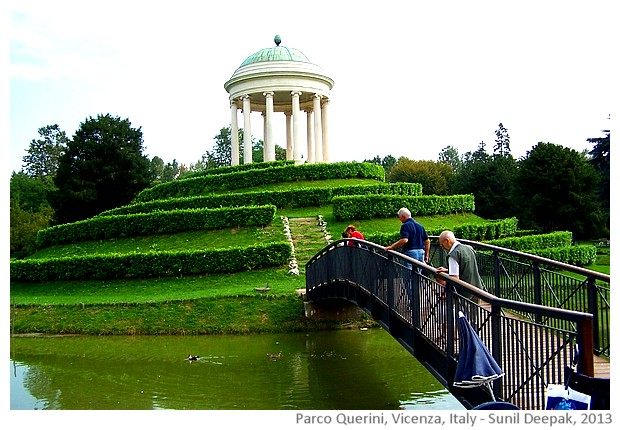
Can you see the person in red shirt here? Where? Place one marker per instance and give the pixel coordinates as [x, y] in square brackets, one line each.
[351, 231]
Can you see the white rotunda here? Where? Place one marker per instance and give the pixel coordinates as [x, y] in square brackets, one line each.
[281, 79]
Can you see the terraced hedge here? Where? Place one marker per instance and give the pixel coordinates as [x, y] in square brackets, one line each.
[470, 231]
[301, 197]
[556, 239]
[113, 226]
[385, 206]
[151, 264]
[251, 178]
[238, 168]
[578, 255]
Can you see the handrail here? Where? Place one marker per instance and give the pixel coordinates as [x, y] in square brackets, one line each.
[581, 294]
[560, 265]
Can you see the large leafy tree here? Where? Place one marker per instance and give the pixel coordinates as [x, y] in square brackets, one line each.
[434, 176]
[102, 168]
[556, 189]
[490, 179]
[44, 153]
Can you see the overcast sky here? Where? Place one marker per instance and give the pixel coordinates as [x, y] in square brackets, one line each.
[411, 77]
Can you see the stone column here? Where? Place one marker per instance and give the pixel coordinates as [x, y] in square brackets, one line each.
[310, 137]
[289, 136]
[296, 127]
[318, 130]
[264, 115]
[269, 144]
[247, 131]
[325, 124]
[234, 133]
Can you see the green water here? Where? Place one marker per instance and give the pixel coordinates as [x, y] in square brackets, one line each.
[336, 370]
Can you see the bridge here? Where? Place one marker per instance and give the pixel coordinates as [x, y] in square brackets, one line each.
[534, 314]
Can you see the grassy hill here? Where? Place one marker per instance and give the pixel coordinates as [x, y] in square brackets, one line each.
[203, 303]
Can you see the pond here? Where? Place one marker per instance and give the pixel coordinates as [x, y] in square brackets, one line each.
[332, 370]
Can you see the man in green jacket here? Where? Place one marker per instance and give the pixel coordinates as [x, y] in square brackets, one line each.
[462, 262]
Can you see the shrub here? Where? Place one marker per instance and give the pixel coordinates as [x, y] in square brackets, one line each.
[113, 226]
[151, 264]
[385, 206]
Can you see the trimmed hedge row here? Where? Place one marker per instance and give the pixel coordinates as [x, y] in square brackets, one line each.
[470, 231]
[484, 231]
[298, 198]
[578, 255]
[385, 206]
[238, 168]
[113, 226]
[556, 239]
[151, 264]
[255, 177]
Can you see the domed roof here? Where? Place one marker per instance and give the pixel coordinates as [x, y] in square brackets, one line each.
[276, 53]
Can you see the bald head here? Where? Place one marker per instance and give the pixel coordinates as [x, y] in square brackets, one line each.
[446, 239]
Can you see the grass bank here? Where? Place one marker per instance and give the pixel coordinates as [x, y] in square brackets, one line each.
[205, 316]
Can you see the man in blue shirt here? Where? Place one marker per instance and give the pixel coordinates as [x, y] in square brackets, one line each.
[413, 238]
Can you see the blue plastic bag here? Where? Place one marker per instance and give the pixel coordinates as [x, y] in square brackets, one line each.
[559, 397]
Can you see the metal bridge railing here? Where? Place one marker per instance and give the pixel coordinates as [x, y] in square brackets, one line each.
[528, 278]
[532, 343]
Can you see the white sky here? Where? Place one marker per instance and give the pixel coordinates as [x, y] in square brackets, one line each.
[411, 77]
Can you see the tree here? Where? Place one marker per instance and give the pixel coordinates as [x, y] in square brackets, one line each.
[491, 182]
[502, 142]
[435, 177]
[161, 172]
[222, 148]
[43, 154]
[479, 154]
[600, 160]
[221, 154]
[25, 224]
[30, 192]
[388, 162]
[556, 189]
[30, 210]
[450, 155]
[102, 168]
[489, 179]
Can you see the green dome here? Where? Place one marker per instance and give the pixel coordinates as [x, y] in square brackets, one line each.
[276, 53]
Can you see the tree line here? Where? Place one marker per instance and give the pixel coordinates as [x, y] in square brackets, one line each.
[551, 188]
[103, 166]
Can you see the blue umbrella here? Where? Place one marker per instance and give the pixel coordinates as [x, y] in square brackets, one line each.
[476, 366]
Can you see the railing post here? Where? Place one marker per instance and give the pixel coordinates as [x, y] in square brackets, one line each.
[586, 347]
[415, 284]
[450, 346]
[594, 310]
[496, 344]
[496, 273]
[537, 287]
[390, 280]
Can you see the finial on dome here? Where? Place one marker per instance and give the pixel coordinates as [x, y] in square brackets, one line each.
[278, 40]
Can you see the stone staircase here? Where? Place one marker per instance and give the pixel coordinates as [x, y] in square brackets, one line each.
[308, 236]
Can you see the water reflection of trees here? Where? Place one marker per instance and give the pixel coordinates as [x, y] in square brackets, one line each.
[40, 386]
[316, 371]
